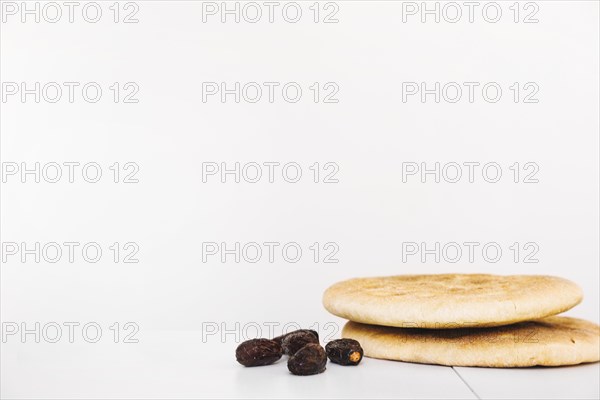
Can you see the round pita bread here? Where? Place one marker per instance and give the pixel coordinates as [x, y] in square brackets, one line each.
[551, 341]
[450, 300]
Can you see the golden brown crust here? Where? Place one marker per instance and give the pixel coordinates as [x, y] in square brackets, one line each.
[551, 341]
[450, 300]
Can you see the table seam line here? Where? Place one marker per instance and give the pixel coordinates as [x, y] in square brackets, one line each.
[466, 383]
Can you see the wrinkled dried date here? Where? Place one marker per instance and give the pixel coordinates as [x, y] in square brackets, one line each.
[257, 352]
[297, 340]
[309, 360]
[344, 351]
[279, 339]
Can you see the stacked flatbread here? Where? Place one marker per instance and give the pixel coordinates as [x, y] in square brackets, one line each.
[466, 319]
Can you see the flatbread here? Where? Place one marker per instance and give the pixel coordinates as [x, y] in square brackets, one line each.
[450, 300]
[550, 341]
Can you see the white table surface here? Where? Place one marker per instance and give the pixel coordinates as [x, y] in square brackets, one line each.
[176, 364]
[576, 382]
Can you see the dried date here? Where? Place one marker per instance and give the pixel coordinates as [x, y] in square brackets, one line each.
[344, 351]
[296, 340]
[279, 339]
[309, 360]
[258, 352]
